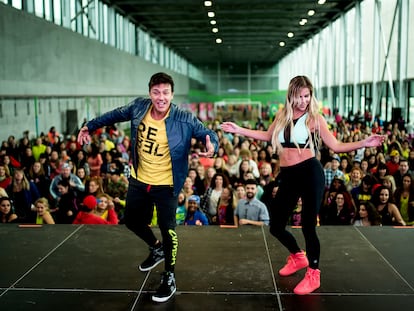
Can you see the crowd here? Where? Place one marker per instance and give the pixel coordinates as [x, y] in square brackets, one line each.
[53, 180]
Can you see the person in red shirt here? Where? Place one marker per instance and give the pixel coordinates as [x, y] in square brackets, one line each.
[394, 163]
[86, 216]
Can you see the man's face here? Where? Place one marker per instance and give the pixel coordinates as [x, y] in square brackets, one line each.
[161, 96]
[250, 191]
[404, 167]
[334, 164]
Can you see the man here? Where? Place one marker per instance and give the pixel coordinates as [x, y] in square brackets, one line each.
[74, 181]
[404, 168]
[333, 171]
[251, 211]
[161, 136]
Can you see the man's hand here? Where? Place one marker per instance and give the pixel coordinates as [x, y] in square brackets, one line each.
[83, 136]
[209, 147]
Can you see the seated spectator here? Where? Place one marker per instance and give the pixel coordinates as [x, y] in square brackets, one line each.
[95, 186]
[188, 187]
[105, 209]
[197, 182]
[251, 211]
[404, 199]
[393, 163]
[333, 170]
[389, 182]
[86, 215]
[74, 182]
[364, 191]
[43, 215]
[355, 178]
[38, 177]
[226, 206]
[7, 211]
[5, 178]
[23, 193]
[403, 169]
[367, 215]
[341, 211]
[67, 204]
[212, 196]
[195, 217]
[390, 215]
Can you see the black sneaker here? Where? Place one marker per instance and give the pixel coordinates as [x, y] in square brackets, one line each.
[166, 289]
[155, 257]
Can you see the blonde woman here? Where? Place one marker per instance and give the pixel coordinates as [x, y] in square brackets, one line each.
[23, 193]
[295, 134]
[43, 215]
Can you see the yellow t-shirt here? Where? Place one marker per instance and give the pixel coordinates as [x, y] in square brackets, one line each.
[154, 164]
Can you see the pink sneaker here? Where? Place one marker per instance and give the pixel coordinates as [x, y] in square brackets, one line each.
[310, 282]
[294, 263]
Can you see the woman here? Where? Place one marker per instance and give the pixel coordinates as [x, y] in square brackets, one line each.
[367, 215]
[212, 195]
[43, 215]
[295, 134]
[404, 199]
[341, 211]
[23, 193]
[7, 213]
[226, 206]
[390, 215]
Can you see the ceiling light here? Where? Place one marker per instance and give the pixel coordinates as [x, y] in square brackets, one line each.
[213, 22]
[321, 1]
[218, 40]
[290, 34]
[282, 43]
[303, 21]
[311, 12]
[211, 14]
[215, 30]
[208, 3]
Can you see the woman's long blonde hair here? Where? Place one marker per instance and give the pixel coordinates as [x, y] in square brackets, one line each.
[284, 118]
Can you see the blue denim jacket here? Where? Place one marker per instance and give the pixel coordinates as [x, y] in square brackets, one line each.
[181, 126]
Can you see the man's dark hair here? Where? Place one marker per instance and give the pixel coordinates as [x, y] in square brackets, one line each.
[250, 182]
[160, 78]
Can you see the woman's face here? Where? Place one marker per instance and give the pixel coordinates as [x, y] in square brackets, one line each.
[219, 182]
[363, 211]
[5, 207]
[384, 196]
[93, 187]
[407, 181]
[36, 167]
[304, 98]
[41, 208]
[81, 173]
[102, 203]
[340, 199]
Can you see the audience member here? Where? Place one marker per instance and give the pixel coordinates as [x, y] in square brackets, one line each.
[390, 215]
[181, 211]
[74, 182]
[5, 178]
[367, 215]
[333, 170]
[194, 216]
[67, 203]
[393, 163]
[212, 195]
[341, 211]
[38, 177]
[7, 211]
[403, 169]
[43, 215]
[251, 211]
[404, 199]
[86, 215]
[226, 206]
[23, 193]
[106, 209]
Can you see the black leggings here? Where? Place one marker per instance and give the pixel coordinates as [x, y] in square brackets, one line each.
[139, 209]
[305, 180]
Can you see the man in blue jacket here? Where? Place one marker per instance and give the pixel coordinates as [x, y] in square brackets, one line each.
[161, 136]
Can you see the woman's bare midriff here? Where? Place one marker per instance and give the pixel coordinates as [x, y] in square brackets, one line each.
[292, 156]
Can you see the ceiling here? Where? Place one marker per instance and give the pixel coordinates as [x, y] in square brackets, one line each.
[251, 30]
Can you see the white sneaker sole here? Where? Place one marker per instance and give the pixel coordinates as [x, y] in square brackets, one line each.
[163, 299]
[150, 268]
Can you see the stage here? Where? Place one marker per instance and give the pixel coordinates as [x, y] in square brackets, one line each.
[87, 267]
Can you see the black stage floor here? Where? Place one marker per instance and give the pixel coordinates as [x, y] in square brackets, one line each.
[68, 267]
